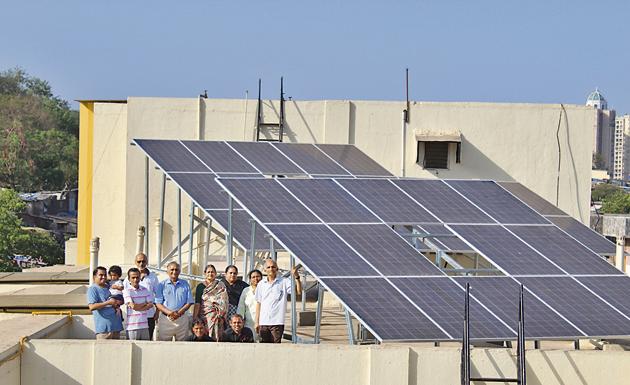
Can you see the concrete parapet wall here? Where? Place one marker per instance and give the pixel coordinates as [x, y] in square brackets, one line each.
[125, 362]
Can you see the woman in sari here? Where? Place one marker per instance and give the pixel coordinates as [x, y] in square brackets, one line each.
[247, 302]
[212, 303]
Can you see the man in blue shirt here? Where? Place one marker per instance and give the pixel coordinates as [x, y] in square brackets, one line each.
[173, 298]
[107, 324]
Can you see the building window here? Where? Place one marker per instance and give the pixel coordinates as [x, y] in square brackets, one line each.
[435, 155]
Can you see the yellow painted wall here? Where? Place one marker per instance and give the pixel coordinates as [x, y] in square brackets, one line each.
[86, 140]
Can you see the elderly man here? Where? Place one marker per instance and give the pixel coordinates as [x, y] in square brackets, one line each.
[149, 281]
[237, 332]
[271, 302]
[173, 299]
[107, 324]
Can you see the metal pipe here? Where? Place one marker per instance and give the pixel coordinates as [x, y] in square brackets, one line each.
[179, 227]
[161, 232]
[146, 207]
[252, 248]
[293, 301]
[207, 251]
[272, 250]
[228, 245]
[402, 144]
[190, 239]
[303, 296]
[349, 327]
[140, 240]
[318, 312]
[95, 244]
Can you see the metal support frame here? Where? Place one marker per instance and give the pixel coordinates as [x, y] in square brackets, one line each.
[190, 239]
[272, 250]
[247, 267]
[206, 253]
[229, 244]
[351, 338]
[293, 301]
[318, 312]
[179, 227]
[161, 225]
[303, 296]
[146, 208]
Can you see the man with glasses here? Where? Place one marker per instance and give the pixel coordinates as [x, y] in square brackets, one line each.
[149, 281]
[271, 302]
[173, 299]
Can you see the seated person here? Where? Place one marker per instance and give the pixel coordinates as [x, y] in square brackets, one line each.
[237, 332]
[199, 332]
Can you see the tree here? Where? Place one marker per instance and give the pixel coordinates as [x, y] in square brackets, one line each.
[38, 135]
[618, 203]
[603, 191]
[598, 162]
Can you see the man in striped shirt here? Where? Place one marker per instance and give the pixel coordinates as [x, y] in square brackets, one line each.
[138, 300]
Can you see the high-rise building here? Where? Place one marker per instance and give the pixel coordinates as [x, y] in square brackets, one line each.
[621, 160]
[603, 132]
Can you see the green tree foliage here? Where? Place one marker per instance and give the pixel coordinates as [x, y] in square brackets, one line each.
[16, 240]
[603, 191]
[38, 135]
[618, 203]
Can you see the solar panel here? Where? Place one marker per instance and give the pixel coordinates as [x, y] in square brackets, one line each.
[266, 158]
[203, 189]
[581, 307]
[443, 300]
[442, 201]
[505, 250]
[501, 296]
[310, 159]
[268, 201]
[585, 235]
[453, 244]
[219, 156]
[388, 314]
[614, 290]
[387, 201]
[563, 250]
[497, 202]
[386, 250]
[241, 228]
[171, 155]
[353, 160]
[329, 201]
[532, 199]
[323, 253]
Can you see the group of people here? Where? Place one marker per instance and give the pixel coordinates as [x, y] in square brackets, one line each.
[224, 309]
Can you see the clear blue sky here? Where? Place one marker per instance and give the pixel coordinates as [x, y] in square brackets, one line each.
[470, 50]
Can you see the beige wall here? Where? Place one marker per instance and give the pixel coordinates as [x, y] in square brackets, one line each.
[124, 362]
[499, 141]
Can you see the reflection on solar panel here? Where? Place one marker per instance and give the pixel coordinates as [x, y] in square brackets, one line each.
[219, 156]
[202, 189]
[442, 201]
[387, 201]
[311, 159]
[532, 199]
[388, 314]
[171, 155]
[353, 160]
[614, 290]
[453, 243]
[387, 251]
[321, 250]
[267, 159]
[442, 300]
[500, 296]
[578, 305]
[505, 250]
[328, 201]
[563, 250]
[585, 235]
[241, 228]
[268, 201]
[496, 202]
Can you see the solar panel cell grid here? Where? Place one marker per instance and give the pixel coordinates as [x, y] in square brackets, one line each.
[505, 250]
[203, 189]
[443, 300]
[532, 199]
[585, 235]
[267, 159]
[241, 228]
[615, 290]
[353, 160]
[384, 309]
[448, 243]
[219, 156]
[496, 202]
[442, 201]
[310, 159]
[386, 250]
[171, 155]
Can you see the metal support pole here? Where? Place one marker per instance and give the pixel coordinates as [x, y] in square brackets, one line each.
[522, 375]
[190, 239]
[293, 302]
[349, 327]
[252, 247]
[304, 291]
[536, 344]
[161, 232]
[179, 227]
[228, 245]
[94, 247]
[318, 312]
[272, 250]
[146, 207]
[207, 251]
[466, 340]
[576, 344]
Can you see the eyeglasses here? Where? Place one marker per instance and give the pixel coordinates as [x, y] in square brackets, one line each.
[271, 267]
[142, 262]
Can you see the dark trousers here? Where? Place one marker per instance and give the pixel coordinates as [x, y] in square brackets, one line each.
[271, 333]
[151, 328]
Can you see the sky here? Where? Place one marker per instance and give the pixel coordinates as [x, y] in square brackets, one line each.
[541, 51]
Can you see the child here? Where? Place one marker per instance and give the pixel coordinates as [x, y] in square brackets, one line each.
[200, 333]
[116, 287]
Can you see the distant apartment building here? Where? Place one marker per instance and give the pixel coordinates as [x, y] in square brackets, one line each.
[621, 159]
[603, 133]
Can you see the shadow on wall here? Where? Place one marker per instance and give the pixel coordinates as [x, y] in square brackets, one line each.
[291, 134]
[35, 369]
[353, 123]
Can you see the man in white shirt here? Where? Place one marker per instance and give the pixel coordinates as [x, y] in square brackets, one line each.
[149, 281]
[271, 302]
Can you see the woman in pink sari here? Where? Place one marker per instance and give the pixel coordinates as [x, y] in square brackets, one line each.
[212, 303]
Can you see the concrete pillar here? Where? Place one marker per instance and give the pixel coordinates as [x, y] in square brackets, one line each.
[94, 247]
[620, 259]
[140, 241]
